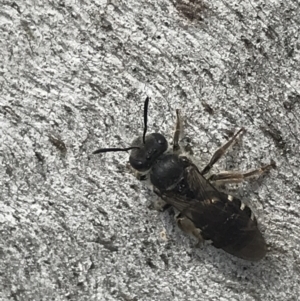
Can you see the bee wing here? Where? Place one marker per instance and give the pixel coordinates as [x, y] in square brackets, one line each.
[222, 218]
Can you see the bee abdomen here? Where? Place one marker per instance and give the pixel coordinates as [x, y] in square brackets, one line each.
[242, 206]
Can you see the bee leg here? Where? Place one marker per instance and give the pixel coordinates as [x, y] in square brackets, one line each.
[136, 174]
[178, 132]
[221, 151]
[159, 205]
[187, 226]
[178, 136]
[140, 176]
[237, 177]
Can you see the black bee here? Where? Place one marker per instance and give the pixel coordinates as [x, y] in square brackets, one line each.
[204, 211]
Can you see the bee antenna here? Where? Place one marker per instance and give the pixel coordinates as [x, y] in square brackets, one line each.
[145, 117]
[115, 149]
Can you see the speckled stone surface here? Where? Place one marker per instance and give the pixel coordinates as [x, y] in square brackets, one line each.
[73, 78]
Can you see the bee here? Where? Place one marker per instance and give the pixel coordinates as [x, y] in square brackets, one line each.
[204, 211]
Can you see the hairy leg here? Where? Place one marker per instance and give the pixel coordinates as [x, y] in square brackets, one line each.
[237, 177]
[177, 132]
[187, 226]
[221, 151]
[159, 205]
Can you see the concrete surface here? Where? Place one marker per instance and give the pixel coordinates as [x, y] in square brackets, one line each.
[73, 77]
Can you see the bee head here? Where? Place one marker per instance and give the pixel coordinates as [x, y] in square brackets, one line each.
[147, 151]
[144, 150]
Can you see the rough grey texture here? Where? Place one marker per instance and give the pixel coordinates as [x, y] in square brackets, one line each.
[74, 75]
